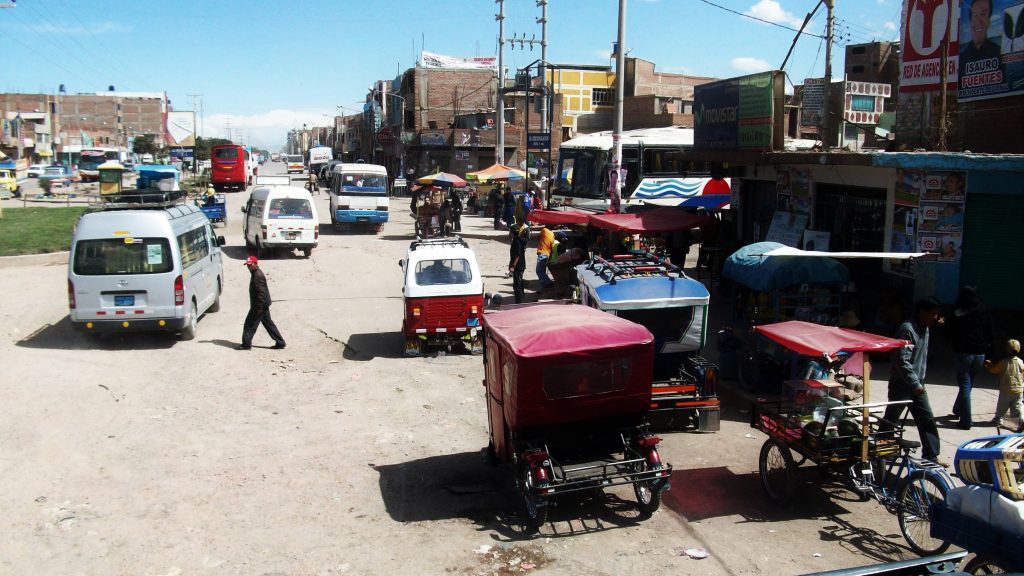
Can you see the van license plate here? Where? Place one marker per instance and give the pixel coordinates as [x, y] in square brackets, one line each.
[293, 235]
[128, 300]
[362, 219]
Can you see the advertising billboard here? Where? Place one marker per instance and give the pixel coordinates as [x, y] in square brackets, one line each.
[927, 25]
[182, 128]
[991, 49]
[738, 113]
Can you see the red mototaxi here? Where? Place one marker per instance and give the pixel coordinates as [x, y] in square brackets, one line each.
[568, 389]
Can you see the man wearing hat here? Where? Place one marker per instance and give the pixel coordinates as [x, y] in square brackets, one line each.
[907, 372]
[259, 308]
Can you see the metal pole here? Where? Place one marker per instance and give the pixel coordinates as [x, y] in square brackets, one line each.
[499, 147]
[826, 141]
[615, 183]
[545, 114]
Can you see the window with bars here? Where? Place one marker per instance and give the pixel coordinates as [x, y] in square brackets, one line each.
[602, 97]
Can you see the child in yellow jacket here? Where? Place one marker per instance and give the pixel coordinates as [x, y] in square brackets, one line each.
[1011, 383]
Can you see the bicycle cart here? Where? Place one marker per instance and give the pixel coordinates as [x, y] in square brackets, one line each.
[215, 208]
[811, 423]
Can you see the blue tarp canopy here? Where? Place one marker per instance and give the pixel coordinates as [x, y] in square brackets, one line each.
[751, 268]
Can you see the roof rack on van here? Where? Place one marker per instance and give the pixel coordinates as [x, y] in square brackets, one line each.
[633, 265]
[424, 242]
[146, 198]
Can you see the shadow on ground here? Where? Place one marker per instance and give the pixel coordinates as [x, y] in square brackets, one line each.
[61, 336]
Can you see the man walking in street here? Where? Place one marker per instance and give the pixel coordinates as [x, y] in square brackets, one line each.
[544, 245]
[517, 260]
[907, 373]
[259, 308]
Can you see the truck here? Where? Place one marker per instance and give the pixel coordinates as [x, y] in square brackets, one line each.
[650, 291]
[318, 157]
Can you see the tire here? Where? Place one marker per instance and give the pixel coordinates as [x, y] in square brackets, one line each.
[261, 252]
[983, 564]
[648, 500]
[189, 331]
[915, 495]
[306, 252]
[776, 470]
[215, 307]
[533, 514]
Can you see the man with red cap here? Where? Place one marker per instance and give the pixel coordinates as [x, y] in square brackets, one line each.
[259, 308]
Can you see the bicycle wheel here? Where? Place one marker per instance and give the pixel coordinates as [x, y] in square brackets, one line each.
[777, 470]
[983, 564]
[916, 494]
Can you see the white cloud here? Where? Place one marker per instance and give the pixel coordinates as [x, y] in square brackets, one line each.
[602, 54]
[267, 130]
[890, 26]
[749, 64]
[772, 11]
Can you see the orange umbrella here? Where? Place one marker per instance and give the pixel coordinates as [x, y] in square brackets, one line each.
[496, 172]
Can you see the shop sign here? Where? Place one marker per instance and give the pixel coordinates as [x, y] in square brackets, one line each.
[433, 138]
[538, 141]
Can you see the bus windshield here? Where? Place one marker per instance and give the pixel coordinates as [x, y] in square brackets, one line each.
[225, 153]
[581, 172]
[363, 183]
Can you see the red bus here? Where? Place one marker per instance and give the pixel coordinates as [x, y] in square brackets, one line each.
[228, 168]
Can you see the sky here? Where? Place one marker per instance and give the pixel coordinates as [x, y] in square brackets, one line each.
[260, 68]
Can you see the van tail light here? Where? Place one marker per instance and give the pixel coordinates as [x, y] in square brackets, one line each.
[416, 311]
[263, 228]
[71, 295]
[538, 460]
[179, 291]
[473, 310]
[316, 232]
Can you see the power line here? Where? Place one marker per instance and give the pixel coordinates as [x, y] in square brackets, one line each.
[709, 3]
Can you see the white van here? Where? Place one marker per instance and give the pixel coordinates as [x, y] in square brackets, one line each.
[140, 267]
[359, 195]
[278, 216]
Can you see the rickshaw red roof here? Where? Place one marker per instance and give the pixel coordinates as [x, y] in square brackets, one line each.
[553, 329]
[650, 222]
[566, 216]
[814, 339]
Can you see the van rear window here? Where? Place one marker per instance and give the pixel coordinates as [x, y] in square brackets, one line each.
[290, 208]
[109, 256]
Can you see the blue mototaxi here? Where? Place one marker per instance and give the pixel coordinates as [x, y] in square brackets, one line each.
[648, 290]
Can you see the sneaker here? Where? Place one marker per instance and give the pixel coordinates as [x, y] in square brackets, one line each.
[243, 347]
[278, 346]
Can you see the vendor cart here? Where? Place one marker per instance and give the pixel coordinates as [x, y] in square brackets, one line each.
[568, 388]
[215, 207]
[810, 422]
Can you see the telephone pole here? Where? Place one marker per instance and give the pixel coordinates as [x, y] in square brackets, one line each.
[194, 109]
[826, 141]
[499, 147]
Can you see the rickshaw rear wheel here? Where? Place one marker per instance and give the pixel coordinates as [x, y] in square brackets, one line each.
[533, 514]
[777, 470]
[648, 499]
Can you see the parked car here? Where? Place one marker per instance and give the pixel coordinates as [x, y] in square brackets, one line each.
[36, 170]
[8, 184]
[58, 175]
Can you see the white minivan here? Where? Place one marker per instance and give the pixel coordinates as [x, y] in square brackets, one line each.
[144, 267]
[280, 216]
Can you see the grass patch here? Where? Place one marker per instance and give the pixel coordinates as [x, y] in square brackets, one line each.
[37, 230]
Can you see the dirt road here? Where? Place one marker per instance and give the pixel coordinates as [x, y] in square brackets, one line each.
[142, 454]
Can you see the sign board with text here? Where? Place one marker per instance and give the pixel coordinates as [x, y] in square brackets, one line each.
[538, 141]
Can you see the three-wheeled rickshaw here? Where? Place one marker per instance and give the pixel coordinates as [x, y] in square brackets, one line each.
[812, 421]
[568, 389]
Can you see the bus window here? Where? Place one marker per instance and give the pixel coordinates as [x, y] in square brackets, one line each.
[663, 161]
[631, 162]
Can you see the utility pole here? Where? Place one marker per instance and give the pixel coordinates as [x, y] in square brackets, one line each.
[826, 141]
[228, 122]
[615, 182]
[499, 147]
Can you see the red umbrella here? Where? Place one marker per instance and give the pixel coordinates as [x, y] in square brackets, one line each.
[442, 179]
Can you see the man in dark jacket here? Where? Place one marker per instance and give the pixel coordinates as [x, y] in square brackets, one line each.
[517, 260]
[259, 308]
[907, 373]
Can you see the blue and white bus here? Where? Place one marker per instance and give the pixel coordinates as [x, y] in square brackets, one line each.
[656, 171]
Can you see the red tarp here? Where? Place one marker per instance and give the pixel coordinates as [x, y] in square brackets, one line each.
[559, 329]
[815, 340]
[559, 217]
[654, 221]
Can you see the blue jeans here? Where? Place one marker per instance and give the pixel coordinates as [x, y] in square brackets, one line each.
[967, 365]
[542, 271]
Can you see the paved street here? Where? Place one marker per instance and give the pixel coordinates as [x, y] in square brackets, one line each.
[142, 454]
